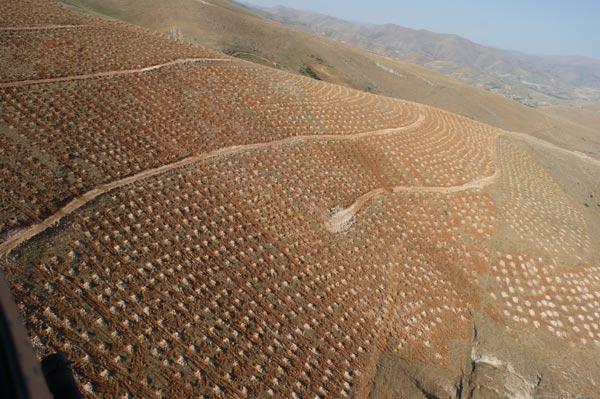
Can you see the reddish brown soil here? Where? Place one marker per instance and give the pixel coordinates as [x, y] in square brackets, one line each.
[208, 227]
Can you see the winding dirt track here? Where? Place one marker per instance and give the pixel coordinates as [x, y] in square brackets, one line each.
[342, 219]
[113, 73]
[26, 234]
[338, 222]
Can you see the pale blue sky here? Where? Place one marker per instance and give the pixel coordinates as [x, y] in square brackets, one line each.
[533, 26]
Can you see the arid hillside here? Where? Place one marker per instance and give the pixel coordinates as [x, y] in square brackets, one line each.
[183, 223]
[233, 29]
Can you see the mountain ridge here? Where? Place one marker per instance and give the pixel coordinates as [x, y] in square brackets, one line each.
[238, 31]
[534, 79]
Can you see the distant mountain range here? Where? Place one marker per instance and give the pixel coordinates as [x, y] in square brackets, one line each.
[530, 79]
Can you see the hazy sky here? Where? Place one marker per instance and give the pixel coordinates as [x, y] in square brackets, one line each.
[533, 26]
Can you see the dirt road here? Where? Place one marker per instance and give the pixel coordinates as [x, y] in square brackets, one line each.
[342, 219]
[338, 222]
[113, 73]
[24, 235]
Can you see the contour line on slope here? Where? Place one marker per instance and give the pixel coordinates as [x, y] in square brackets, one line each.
[26, 234]
[20, 83]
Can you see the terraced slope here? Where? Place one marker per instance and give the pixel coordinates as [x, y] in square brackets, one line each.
[228, 26]
[186, 224]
